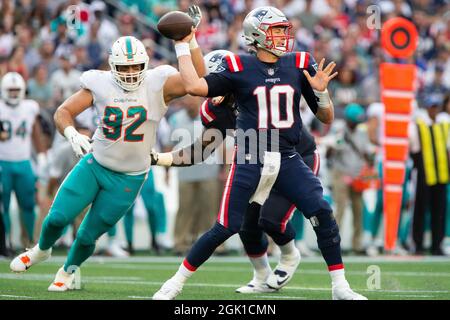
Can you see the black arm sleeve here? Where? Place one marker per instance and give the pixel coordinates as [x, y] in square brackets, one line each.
[195, 153]
[309, 96]
[190, 155]
[307, 90]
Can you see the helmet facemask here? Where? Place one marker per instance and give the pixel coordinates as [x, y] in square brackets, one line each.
[127, 79]
[14, 96]
[13, 88]
[278, 44]
[128, 60]
[259, 25]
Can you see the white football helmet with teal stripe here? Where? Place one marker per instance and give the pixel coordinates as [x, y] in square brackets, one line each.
[128, 51]
[13, 88]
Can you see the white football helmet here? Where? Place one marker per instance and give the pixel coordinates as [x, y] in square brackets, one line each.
[127, 51]
[13, 88]
[214, 59]
[258, 33]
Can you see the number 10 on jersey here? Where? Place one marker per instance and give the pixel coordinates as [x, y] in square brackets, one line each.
[271, 103]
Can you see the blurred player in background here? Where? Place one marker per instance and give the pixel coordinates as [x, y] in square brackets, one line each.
[21, 130]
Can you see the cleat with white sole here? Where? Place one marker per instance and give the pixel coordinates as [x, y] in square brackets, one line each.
[344, 292]
[169, 290]
[284, 270]
[255, 286]
[63, 281]
[32, 256]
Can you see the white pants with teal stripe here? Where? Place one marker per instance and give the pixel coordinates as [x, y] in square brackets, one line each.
[109, 193]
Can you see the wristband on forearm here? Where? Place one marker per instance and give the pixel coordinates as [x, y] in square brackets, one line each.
[324, 98]
[193, 43]
[182, 49]
[164, 159]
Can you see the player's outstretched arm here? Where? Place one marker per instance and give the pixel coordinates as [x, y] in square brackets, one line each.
[174, 86]
[193, 84]
[187, 156]
[319, 84]
[197, 57]
[65, 117]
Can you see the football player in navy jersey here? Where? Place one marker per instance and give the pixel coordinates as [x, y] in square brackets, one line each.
[219, 114]
[267, 88]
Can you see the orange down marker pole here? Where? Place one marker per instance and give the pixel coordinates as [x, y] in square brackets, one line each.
[399, 38]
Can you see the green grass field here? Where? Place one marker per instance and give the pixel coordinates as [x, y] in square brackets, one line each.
[138, 278]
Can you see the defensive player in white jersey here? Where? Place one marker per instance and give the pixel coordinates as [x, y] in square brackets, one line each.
[20, 128]
[132, 100]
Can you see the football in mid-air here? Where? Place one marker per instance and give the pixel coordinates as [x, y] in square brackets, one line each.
[175, 25]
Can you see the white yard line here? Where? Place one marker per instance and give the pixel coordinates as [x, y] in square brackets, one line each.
[242, 259]
[45, 277]
[12, 296]
[209, 268]
[283, 297]
[412, 295]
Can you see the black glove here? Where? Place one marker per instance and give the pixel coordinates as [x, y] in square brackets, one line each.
[154, 157]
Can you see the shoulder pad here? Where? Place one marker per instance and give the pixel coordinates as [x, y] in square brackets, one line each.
[302, 59]
[205, 113]
[234, 63]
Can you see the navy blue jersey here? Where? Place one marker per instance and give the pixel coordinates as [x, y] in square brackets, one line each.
[267, 95]
[219, 115]
[222, 116]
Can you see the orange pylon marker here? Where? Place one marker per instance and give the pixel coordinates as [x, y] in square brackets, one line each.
[399, 38]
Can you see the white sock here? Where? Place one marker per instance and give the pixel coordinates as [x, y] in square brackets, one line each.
[288, 249]
[182, 274]
[337, 277]
[261, 267]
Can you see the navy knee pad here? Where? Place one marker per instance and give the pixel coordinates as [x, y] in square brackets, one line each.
[275, 231]
[255, 242]
[326, 229]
